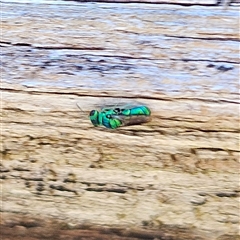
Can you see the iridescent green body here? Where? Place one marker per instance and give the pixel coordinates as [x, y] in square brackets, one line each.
[135, 111]
[117, 117]
[104, 118]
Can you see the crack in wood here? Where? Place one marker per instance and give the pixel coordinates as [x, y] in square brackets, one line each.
[52, 47]
[116, 190]
[61, 188]
[203, 60]
[204, 38]
[39, 92]
[185, 4]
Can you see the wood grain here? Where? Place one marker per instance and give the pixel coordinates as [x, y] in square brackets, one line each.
[179, 171]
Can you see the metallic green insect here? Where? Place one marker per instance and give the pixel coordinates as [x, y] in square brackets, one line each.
[117, 117]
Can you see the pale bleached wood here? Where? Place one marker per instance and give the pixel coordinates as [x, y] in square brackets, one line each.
[179, 169]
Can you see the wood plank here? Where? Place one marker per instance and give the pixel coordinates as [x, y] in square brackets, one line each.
[170, 177]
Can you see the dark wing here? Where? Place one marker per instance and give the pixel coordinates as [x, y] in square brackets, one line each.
[120, 104]
[132, 120]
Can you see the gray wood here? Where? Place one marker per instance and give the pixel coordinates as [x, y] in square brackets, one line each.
[181, 169]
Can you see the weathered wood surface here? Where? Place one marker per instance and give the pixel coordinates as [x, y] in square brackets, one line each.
[178, 2]
[179, 170]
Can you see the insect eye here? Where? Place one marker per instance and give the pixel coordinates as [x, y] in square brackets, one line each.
[117, 110]
[92, 113]
[108, 116]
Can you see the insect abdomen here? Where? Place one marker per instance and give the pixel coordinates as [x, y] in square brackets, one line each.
[141, 110]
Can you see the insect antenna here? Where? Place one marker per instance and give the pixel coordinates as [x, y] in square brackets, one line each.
[79, 107]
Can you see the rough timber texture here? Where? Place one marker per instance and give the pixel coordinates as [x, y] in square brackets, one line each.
[176, 177]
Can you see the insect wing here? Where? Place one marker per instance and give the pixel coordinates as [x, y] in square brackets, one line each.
[132, 120]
